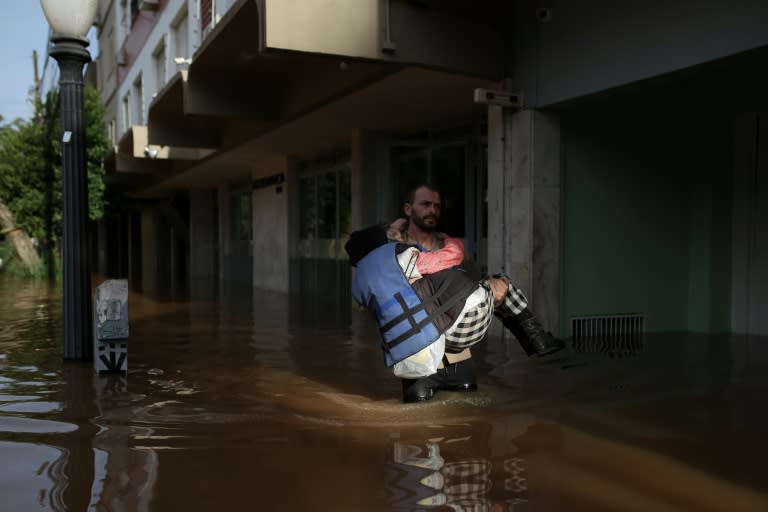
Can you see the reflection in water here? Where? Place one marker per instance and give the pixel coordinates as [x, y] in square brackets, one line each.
[37, 480]
[30, 407]
[94, 461]
[64, 455]
[34, 426]
[248, 403]
[462, 485]
[446, 470]
[124, 474]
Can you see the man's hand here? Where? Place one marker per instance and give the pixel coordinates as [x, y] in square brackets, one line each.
[499, 287]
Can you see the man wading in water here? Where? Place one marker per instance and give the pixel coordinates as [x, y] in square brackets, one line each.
[429, 311]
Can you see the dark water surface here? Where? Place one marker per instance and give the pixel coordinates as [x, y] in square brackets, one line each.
[264, 404]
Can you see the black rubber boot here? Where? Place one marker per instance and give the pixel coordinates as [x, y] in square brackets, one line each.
[420, 390]
[531, 335]
[459, 376]
[454, 377]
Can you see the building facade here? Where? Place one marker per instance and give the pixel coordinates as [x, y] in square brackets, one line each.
[251, 137]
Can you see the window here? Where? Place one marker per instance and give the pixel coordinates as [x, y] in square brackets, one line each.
[107, 55]
[138, 95]
[130, 12]
[206, 13]
[113, 131]
[126, 112]
[180, 37]
[240, 211]
[134, 11]
[238, 261]
[160, 60]
[325, 203]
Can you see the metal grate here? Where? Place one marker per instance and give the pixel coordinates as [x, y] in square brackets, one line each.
[613, 335]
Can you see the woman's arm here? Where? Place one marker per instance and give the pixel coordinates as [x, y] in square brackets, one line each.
[451, 255]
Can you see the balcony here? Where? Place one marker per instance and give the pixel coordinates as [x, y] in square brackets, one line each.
[275, 77]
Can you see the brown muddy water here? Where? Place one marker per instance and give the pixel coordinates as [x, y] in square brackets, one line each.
[261, 403]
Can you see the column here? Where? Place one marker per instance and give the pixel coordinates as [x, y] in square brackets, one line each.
[149, 251]
[203, 243]
[524, 205]
[371, 194]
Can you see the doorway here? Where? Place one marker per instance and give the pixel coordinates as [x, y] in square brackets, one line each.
[455, 162]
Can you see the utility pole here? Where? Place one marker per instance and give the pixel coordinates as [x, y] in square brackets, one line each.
[40, 120]
[37, 89]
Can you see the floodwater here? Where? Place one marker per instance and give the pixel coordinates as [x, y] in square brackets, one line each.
[261, 403]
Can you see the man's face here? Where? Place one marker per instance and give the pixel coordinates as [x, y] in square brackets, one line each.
[424, 211]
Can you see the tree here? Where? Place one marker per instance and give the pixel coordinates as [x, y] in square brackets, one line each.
[21, 165]
[30, 168]
[19, 239]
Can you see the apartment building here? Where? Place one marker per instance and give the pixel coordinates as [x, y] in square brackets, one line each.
[622, 176]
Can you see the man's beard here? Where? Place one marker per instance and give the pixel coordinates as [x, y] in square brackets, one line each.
[421, 224]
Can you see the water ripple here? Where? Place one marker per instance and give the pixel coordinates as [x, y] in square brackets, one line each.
[31, 407]
[34, 426]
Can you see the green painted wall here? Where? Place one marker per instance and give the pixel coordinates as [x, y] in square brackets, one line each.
[709, 271]
[646, 217]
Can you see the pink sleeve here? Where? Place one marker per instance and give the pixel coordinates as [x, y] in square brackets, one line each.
[450, 255]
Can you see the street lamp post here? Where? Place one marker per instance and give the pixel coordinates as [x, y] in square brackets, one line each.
[70, 21]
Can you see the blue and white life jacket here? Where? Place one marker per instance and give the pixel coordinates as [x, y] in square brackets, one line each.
[407, 322]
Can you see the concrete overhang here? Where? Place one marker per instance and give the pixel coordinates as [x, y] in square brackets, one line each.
[169, 124]
[411, 99]
[131, 154]
[262, 85]
[267, 61]
[234, 90]
[133, 162]
[134, 147]
[450, 35]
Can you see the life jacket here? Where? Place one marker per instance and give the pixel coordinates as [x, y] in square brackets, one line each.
[407, 321]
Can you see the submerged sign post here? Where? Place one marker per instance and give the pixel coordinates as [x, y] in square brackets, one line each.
[110, 326]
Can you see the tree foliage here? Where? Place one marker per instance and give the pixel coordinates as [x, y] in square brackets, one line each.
[30, 165]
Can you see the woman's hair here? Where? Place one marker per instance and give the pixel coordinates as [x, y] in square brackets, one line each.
[364, 241]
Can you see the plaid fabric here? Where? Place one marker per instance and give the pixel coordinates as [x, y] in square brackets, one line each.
[467, 484]
[472, 324]
[467, 469]
[514, 303]
[474, 321]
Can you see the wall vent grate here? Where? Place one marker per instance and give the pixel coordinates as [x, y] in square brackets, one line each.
[614, 335]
